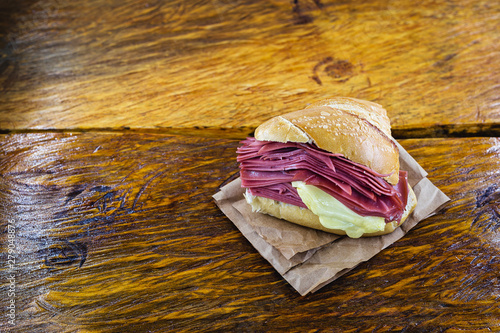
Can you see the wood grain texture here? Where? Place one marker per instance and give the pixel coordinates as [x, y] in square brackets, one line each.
[160, 65]
[118, 232]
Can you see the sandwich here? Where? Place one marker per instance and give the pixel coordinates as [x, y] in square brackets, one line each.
[332, 166]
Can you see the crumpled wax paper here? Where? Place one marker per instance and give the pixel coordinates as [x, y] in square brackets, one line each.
[310, 259]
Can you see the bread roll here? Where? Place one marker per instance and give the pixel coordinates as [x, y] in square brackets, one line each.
[359, 130]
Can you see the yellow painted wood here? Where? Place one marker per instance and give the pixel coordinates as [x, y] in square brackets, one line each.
[231, 64]
[119, 232]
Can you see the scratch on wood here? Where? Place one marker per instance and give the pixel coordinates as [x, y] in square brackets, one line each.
[144, 187]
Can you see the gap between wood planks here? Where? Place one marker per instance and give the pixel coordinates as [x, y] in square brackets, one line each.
[430, 131]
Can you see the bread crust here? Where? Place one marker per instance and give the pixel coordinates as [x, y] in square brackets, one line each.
[370, 111]
[307, 218]
[357, 129]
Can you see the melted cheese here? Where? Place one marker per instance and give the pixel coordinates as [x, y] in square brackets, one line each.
[334, 215]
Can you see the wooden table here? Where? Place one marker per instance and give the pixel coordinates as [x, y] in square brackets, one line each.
[119, 120]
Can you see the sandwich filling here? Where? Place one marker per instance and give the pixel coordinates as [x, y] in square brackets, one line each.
[286, 171]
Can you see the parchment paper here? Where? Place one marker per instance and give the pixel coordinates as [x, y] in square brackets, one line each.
[310, 259]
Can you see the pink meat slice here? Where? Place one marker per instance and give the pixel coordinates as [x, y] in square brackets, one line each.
[268, 168]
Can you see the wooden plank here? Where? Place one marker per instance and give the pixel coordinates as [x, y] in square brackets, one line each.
[118, 232]
[230, 64]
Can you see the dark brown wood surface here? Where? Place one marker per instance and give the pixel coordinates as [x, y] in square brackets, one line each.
[119, 120]
[120, 233]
